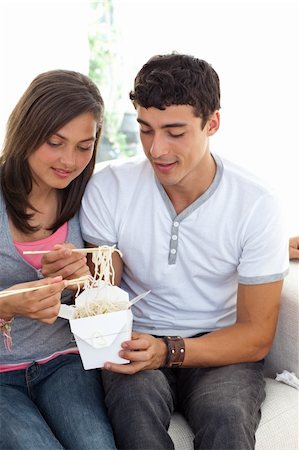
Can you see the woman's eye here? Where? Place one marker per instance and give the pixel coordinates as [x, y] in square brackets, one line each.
[53, 144]
[85, 148]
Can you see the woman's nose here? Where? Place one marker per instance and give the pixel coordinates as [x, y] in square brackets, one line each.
[68, 156]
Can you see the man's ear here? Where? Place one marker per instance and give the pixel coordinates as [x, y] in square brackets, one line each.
[213, 123]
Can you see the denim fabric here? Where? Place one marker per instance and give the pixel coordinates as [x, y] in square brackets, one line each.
[222, 406]
[140, 408]
[53, 406]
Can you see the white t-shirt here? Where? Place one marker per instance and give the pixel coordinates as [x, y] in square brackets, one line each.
[192, 262]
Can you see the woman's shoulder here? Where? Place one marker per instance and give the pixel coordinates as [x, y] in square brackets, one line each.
[74, 231]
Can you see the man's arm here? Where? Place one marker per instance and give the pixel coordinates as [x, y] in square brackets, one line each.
[118, 265]
[116, 262]
[249, 339]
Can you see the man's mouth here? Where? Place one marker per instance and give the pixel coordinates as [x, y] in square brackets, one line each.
[164, 166]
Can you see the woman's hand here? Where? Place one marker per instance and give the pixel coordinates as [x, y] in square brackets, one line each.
[42, 304]
[62, 261]
[143, 351]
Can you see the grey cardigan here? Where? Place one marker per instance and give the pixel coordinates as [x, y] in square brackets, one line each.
[31, 340]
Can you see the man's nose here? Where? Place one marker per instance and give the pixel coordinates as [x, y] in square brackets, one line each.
[159, 147]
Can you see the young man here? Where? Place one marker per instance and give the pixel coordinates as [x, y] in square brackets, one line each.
[208, 240]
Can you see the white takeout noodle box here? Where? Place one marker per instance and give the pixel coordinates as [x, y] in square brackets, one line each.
[99, 337]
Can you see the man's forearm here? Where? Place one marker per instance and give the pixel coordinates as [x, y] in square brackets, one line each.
[238, 343]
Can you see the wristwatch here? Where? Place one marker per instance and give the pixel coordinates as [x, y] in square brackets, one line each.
[175, 351]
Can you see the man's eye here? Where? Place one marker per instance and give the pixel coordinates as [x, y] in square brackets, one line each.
[176, 135]
[145, 131]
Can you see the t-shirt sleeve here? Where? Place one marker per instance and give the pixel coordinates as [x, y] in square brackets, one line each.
[96, 213]
[264, 257]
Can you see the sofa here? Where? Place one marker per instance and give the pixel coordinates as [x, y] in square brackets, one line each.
[279, 426]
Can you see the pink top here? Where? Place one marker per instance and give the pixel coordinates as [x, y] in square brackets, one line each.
[43, 244]
[10, 367]
[35, 260]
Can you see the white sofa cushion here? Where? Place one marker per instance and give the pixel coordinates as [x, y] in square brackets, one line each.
[284, 353]
[278, 429]
[279, 426]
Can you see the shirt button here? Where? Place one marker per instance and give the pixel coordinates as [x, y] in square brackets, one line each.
[173, 251]
[174, 237]
[176, 224]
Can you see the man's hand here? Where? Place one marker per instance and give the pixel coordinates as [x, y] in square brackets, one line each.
[143, 351]
[62, 261]
[294, 247]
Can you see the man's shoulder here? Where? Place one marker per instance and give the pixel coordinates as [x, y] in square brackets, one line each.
[121, 166]
[124, 175]
[244, 180]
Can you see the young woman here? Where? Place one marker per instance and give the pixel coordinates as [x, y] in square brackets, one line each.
[48, 401]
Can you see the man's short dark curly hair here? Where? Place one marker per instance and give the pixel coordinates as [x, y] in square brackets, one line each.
[177, 79]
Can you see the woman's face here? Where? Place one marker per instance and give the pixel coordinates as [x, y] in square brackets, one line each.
[65, 154]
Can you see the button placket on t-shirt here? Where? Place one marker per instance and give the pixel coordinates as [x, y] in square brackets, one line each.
[177, 219]
[173, 247]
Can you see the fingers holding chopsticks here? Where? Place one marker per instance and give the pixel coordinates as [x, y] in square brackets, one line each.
[65, 262]
[41, 304]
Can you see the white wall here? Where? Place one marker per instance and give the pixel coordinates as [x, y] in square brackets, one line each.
[254, 47]
[252, 44]
[36, 36]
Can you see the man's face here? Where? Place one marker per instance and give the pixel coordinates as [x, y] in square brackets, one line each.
[175, 143]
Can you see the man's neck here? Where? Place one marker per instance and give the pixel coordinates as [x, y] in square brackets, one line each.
[193, 186]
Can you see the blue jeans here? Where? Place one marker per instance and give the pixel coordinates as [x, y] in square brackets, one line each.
[53, 406]
[221, 404]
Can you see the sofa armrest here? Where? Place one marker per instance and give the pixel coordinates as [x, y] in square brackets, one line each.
[284, 351]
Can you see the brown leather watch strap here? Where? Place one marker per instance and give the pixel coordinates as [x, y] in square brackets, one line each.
[175, 351]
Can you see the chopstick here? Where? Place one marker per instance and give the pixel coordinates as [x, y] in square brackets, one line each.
[76, 250]
[20, 291]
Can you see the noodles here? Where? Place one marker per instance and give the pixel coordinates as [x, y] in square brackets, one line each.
[95, 302]
[100, 307]
[103, 267]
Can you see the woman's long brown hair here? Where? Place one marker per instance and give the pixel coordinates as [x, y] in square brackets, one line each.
[51, 101]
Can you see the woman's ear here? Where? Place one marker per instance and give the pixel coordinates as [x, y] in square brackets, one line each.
[213, 123]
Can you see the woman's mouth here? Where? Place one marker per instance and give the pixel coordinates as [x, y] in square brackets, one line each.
[62, 173]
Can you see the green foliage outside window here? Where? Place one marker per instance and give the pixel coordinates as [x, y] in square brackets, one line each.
[103, 71]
